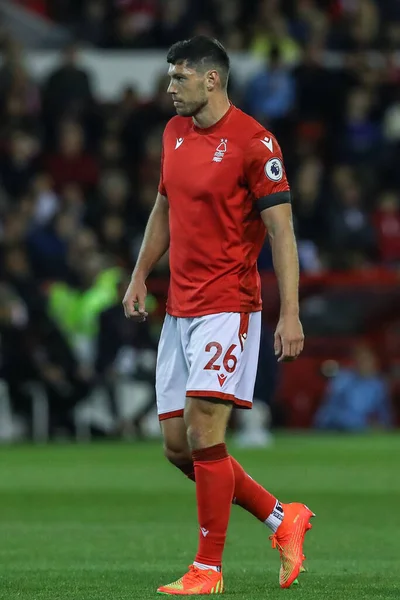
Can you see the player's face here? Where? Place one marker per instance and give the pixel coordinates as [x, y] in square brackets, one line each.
[188, 90]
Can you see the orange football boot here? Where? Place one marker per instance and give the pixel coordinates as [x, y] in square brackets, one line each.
[195, 582]
[303, 569]
[289, 539]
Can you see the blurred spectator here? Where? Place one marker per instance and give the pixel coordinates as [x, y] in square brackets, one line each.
[134, 24]
[14, 228]
[114, 240]
[149, 168]
[92, 25]
[141, 122]
[270, 95]
[350, 226]
[126, 350]
[34, 351]
[37, 6]
[357, 398]
[48, 247]
[22, 87]
[73, 201]
[114, 198]
[17, 270]
[75, 307]
[319, 94]
[72, 163]
[362, 133]
[309, 23]
[19, 165]
[310, 215]
[47, 202]
[391, 123]
[175, 20]
[12, 58]
[271, 31]
[387, 223]
[16, 365]
[111, 152]
[116, 336]
[68, 90]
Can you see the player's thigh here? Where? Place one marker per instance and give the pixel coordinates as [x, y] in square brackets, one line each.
[223, 354]
[171, 370]
[176, 447]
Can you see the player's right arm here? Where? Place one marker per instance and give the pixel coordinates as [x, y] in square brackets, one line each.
[154, 246]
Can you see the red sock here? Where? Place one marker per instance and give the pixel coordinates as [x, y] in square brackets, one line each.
[187, 469]
[248, 494]
[215, 483]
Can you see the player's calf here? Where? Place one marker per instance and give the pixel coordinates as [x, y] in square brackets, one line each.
[176, 448]
[182, 460]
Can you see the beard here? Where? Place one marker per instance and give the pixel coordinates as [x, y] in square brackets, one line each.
[191, 109]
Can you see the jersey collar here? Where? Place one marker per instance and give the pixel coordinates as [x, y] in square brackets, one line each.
[216, 126]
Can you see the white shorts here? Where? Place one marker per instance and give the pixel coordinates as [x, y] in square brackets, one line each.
[214, 356]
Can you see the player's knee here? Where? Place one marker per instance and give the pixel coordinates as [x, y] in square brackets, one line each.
[199, 437]
[206, 423]
[178, 456]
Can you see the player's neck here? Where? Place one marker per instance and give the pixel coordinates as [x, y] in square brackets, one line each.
[212, 113]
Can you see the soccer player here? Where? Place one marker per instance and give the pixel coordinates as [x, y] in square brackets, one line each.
[222, 186]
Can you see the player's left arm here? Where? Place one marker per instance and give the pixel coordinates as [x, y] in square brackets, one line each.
[289, 337]
[267, 181]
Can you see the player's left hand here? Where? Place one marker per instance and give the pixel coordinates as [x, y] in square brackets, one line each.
[289, 338]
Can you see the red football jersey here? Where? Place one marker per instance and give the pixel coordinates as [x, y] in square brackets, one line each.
[217, 180]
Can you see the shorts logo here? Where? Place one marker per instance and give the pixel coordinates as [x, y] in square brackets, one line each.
[274, 169]
[221, 379]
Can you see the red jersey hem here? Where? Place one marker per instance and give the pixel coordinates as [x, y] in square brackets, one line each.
[214, 310]
[221, 396]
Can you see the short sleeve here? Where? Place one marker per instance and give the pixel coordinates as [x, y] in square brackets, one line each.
[265, 172]
[161, 188]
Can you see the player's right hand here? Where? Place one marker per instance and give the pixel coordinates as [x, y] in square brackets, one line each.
[134, 301]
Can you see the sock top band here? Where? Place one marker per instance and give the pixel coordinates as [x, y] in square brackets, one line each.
[217, 452]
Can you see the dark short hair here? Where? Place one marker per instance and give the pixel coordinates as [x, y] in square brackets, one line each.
[202, 52]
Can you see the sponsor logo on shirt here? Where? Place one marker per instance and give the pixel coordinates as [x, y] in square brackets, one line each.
[274, 169]
[179, 142]
[220, 151]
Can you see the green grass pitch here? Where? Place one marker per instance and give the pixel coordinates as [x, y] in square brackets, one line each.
[114, 521]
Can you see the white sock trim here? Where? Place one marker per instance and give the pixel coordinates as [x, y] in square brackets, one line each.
[206, 567]
[275, 518]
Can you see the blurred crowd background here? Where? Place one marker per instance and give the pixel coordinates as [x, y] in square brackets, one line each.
[78, 178]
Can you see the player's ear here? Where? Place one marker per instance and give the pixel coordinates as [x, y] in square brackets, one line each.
[211, 80]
